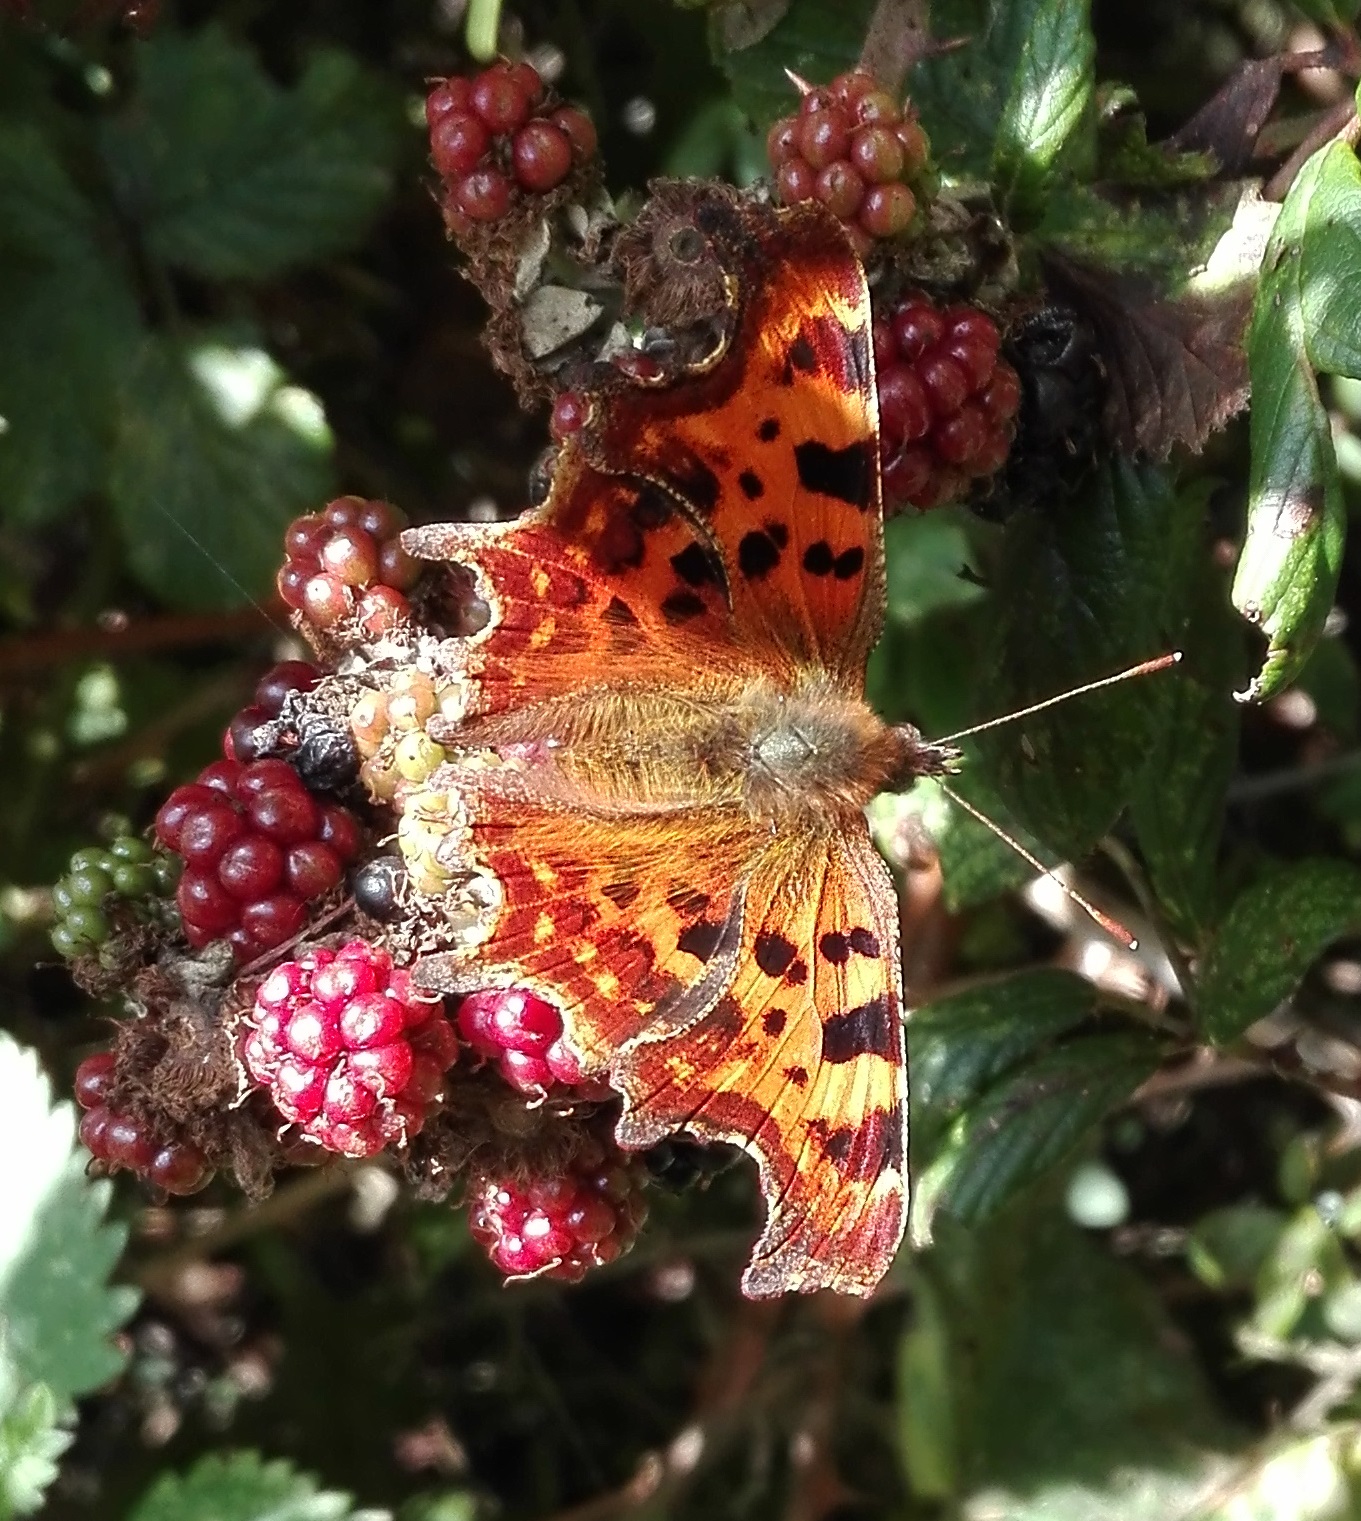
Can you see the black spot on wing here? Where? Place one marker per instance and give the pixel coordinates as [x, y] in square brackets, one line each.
[769, 430]
[849, 563]
[757, 555]
[864, 942]
[870, 1030]
[779, 534]
[865, 1150]
[802, 355]
[835, 947]
[700, 939]
[797, 974]
[753, 487]
[845, 474]
[618, 613]
[797, 1075]
[681, 606]
[773, 1021]
[621, 894]
[773, 954]
[818, 559]
[695, 567]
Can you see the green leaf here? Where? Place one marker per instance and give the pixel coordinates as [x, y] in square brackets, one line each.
[1081, 590]
[240, 1486]
[1010, 98]
[1069, 1395]
[1306, 321]
[68, 327]
[215, 455]
[1229, 1246]
[56, 1253]
[1177, 809]
[33, 1437]
[817, 39]
[1050, 94]
[232, 177]
[1027, 1124]
[1271, 936]
[959, 1045]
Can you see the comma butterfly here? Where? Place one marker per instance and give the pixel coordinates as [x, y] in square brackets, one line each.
[661, 769]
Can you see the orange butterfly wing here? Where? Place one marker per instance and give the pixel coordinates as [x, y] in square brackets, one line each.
[801, 1062]
[774, 449]
[701, 539]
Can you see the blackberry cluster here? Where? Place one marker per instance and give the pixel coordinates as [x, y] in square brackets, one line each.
[348, 1049]
[257, 848]
[499, 133]
[523, 1035]
[947, 401]
[347, 562]
[561, 1224]
[852, 147]
[119, 1142]
[96, 880]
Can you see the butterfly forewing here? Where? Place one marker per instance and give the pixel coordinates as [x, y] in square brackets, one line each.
[775, 450]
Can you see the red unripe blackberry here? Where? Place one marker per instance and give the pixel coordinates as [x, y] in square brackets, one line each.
[498, 135]
[563, 1224]
[348, 1049]
[887, 210]
[542, 156]
[852, 147]
[484, 195]
[258, 848]
[337, 557]
[118, 1142]
[524, 1035]
[457, 143]
[946, 400]
[500, 99]
[94, 1077]
[450, 95]
[580, 132]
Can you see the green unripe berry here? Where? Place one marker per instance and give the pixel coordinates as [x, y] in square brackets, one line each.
[62, 900]
[64, 942]
[91, 857]
[166, 870]
[87, 926]
[128, 847]
[133, 880]
[89, 884]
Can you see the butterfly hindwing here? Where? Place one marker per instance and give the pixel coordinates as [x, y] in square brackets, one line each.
[801, 1062]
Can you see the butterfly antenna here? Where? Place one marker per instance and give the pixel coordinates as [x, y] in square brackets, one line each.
[1144, 668]
[1112, 927]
